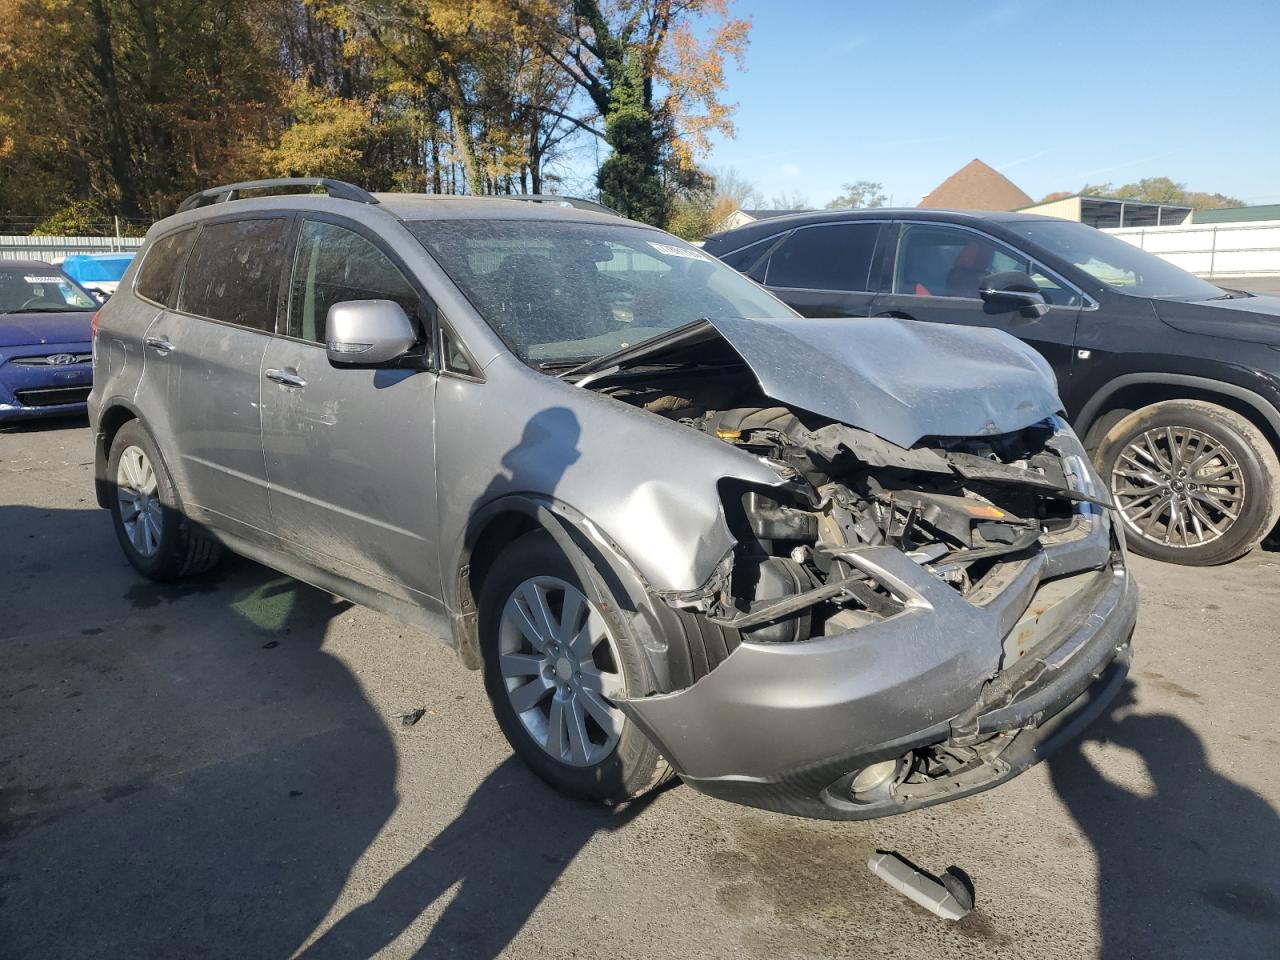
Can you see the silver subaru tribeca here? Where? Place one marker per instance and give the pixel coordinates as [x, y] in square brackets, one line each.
[836, 568]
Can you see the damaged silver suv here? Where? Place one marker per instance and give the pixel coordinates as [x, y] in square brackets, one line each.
[837, 568]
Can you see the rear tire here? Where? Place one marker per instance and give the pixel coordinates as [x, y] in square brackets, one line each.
[156, 537]
[1195, 483]
[533, 691]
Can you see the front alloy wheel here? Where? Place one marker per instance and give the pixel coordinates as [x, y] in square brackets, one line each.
[556, 666]
[560, 666]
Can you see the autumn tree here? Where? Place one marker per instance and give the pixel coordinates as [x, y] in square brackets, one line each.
[1159, 190]
[654, 84]
[694, 213]
[128, 106]
[789, 200]
[140, 102]
[326, 135]
[862, 193]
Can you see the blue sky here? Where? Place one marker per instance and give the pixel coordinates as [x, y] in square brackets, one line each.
[1052, 94]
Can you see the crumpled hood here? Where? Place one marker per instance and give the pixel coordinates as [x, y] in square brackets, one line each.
[23, 329]
[899, 379]
[1254, 319]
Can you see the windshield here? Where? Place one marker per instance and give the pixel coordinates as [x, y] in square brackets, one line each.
[1118, 264]
[563, 291]
[88, 269]
[34, 289]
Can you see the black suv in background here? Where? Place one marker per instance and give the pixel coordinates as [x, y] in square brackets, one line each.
[1173, 383]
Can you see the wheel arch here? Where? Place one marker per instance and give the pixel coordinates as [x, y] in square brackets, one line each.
[1136, 390]
[599, 562]
[115, 414]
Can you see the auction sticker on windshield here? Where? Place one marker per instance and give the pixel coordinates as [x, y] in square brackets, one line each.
[670, 250]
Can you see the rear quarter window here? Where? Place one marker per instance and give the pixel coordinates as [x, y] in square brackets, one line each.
[162, 267]
[834, 256]
[234, 275]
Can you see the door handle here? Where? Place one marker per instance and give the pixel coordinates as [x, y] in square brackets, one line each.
[284, 378]
[160, 345]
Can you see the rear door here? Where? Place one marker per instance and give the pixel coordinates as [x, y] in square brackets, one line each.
[350, 452]
[822, 270]
[210, 351]
[935, 273]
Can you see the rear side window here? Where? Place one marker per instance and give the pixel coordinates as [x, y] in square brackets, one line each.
[334, 264]
[162, 266]
[234, 276]
[833, 256]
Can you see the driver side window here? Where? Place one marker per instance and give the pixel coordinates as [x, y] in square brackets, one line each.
[334, 264]
[941, 261]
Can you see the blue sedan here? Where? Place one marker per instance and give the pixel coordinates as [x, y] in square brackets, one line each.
[46, 348]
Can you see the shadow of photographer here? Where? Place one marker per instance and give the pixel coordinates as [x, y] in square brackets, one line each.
[504, 852]
[1187, 868]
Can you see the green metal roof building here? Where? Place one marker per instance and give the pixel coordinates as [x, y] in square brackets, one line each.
[1267, 211]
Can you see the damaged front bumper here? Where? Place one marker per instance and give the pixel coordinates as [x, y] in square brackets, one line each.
[951, 696]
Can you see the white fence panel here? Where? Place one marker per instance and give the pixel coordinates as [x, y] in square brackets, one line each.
[50, 249]
[1212, 249]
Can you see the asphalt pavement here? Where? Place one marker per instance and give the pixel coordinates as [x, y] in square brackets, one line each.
[1268, 285]
[220, 768]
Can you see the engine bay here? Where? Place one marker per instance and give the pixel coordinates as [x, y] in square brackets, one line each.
[959, 507]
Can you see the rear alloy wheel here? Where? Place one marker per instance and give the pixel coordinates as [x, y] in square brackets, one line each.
[139, 500]
[158, 540]
[1194, 483]
[555, 667]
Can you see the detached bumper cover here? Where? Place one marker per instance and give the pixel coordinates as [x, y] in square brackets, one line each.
[783, 726]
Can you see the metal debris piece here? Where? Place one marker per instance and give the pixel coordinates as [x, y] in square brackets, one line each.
[949, 898]
[412, 717]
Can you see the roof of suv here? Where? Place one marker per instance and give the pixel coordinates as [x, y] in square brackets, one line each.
[428, 206]
[772, 225]
[257, 196]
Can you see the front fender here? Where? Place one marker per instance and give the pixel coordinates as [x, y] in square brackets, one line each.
[613, 583]
[1097, 403]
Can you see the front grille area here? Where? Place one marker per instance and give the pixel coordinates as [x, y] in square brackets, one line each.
[52, 396]
[54, 360]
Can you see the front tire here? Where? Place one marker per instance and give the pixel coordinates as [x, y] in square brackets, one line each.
[553, 664]
[1194, 483]
[155, 536]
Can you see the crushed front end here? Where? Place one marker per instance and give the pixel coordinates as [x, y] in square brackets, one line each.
[907, 625]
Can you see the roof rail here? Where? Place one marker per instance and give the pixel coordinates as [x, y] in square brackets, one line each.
[550, 198]
[339, 189]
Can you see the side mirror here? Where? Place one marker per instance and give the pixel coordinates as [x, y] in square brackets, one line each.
[1013, 290]
[364, 332]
